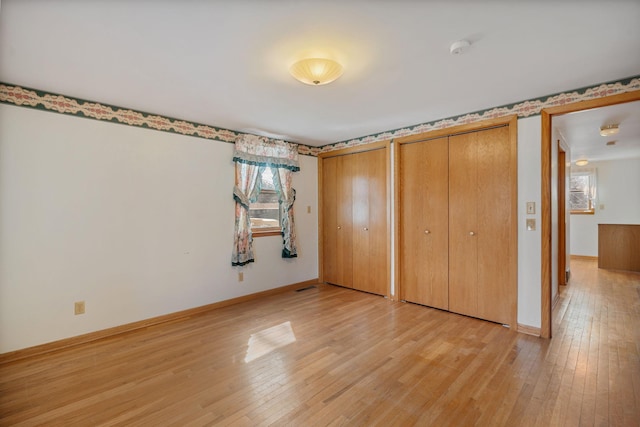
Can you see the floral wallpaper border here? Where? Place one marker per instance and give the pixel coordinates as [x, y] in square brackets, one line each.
[32, 98]
[527, 108]
[41, 100]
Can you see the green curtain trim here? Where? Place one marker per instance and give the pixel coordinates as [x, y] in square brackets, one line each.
[293, 168]
[287, 254]
[240, 264]
[237, 199]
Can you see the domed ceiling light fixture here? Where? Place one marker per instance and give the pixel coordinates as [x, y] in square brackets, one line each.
[582, 162]
[608, 130]
[459, 47]
[316, 71]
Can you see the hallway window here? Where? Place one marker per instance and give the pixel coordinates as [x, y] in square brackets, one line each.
[582, 191]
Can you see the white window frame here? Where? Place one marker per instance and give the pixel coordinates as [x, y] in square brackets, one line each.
[265, 231]
[591, 191]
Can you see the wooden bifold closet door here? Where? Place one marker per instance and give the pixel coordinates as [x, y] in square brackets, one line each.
[354, 222]
[336, 230]
[479, 224]
[424, 229]
[369, 221]
[457, 235]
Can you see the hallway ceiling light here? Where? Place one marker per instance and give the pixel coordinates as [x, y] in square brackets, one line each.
[459, 47]
[582, 162]
[316, 71]
[608, 130]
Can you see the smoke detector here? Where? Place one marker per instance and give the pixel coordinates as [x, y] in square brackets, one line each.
[459, 47]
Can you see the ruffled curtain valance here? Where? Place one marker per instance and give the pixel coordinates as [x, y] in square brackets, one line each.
[252, 155]
[261, 151]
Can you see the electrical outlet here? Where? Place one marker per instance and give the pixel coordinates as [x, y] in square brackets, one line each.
[531, 224]
[78, 307]
[240, 276]
[531, 208]
[308, 209]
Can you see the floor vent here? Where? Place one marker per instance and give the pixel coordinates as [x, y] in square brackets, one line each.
[308, 287]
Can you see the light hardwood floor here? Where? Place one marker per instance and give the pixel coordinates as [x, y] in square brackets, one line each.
[333, 356]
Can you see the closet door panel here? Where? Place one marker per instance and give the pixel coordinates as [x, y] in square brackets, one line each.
[329, 196]
[360, 188]
[337, 257]
[494, 223]
[463, 226]
[369, 221]
[424, 231]
[345, 242]
[378, 223]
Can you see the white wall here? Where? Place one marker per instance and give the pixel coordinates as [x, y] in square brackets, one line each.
[619, 191]
[137, 223]
[529, 242]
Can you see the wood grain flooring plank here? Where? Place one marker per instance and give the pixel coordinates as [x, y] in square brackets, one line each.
[335, 356]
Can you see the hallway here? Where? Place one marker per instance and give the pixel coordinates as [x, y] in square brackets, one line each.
[593, 363]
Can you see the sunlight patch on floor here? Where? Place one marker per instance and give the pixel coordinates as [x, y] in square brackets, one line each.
[267, 340]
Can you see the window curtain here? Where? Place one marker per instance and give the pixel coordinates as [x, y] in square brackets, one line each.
[251, 155]
[286, 196]
[593, 188]
[245, 191]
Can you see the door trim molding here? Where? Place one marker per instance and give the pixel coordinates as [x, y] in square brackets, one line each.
[562, 214]
[545, 209]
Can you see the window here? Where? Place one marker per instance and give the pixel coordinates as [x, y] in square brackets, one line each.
[252, 156]
[582, 192]
[265, 212]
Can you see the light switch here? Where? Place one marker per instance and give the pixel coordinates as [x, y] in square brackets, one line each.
[531, 208]
[531, 224]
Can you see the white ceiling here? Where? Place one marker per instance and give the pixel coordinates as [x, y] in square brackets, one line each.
[225, 63]
[581, 130]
